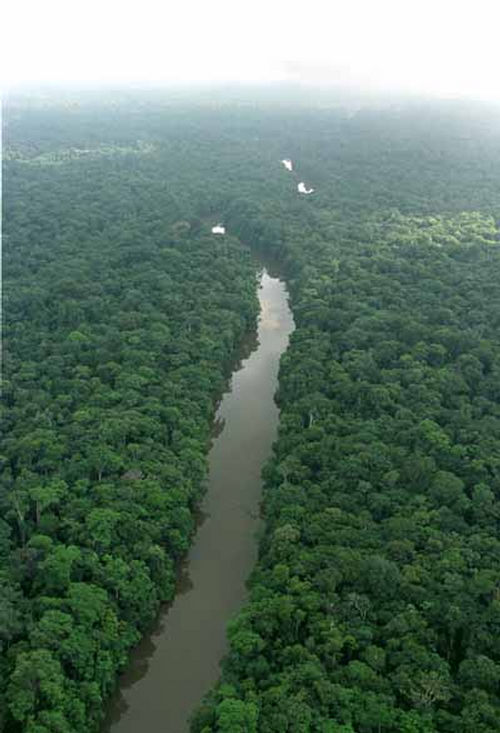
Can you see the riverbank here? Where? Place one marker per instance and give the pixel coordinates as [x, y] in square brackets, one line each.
[172, 668]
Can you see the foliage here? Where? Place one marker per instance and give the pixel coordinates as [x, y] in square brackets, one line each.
[374, 605]
[122, 322]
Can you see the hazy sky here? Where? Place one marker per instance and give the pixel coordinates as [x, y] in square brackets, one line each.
[448, 47]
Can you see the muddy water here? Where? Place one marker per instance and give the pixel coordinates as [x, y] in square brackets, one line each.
[175, 666]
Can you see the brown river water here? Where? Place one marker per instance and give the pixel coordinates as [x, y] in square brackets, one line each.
[174, 666]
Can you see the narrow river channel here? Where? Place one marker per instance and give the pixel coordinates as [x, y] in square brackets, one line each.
[174, 667]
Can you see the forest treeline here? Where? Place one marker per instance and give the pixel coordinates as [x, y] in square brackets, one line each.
[375, 603]
[122, 321]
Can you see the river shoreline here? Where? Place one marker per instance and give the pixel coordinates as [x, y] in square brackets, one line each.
[178, 661]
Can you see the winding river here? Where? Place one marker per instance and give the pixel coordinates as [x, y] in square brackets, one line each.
[175, 666]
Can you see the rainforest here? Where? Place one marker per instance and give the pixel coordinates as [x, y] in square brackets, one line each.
[360, 254]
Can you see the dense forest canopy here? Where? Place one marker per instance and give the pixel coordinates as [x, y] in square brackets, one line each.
[375, 603]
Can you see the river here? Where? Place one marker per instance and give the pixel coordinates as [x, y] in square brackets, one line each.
[174, 666]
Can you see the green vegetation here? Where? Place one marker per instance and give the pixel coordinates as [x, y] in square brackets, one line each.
[63, 155]
[375, 603]
[121, 324]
